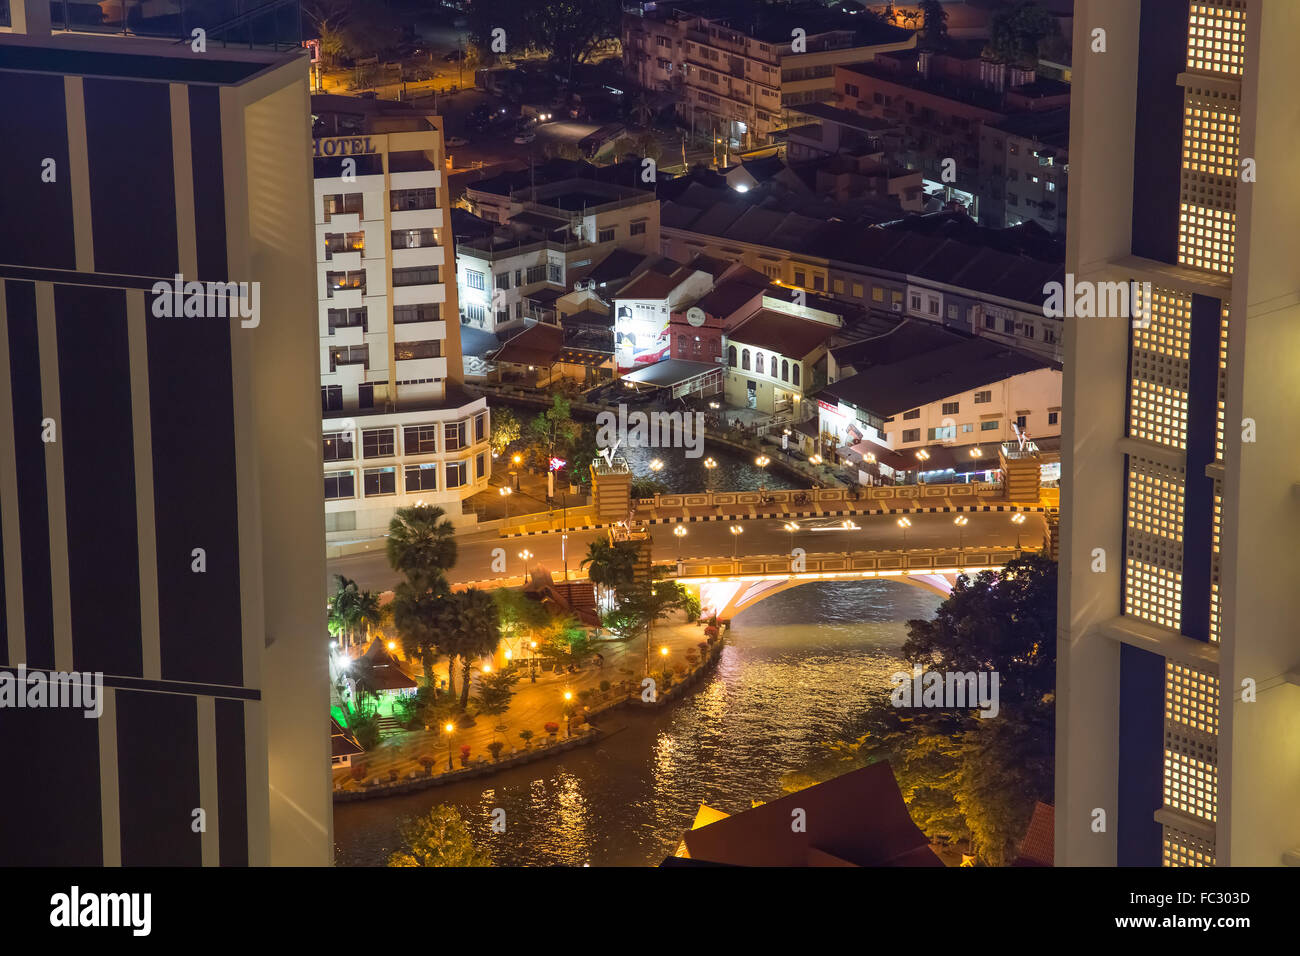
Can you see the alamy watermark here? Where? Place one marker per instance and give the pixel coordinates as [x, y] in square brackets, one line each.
[208, 300]
[650, 430]
[79, 690]
[951, 690]
[1100, 300]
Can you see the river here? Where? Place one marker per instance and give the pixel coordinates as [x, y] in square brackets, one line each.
[796, 671]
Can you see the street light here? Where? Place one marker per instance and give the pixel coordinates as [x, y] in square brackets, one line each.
[792, 527]
[736, 531]
[1018, 519]
[762, 461]
[451, 730]
[961, 521]
[568, 714]
[679, 532]
[525, 555]
[656, 464]
[532, 662]
[506, 491]
[815, 460]
[904, 523]
[710, 464]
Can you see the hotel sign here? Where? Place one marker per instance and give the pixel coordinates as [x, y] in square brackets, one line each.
[344, 146]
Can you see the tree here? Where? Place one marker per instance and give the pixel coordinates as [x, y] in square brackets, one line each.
[506, 430]
[561, 638]
[650, 603]
[495, 691]
[610, 565]
[934, 34]
[438, 838]
[471, 628]
[421, 542]
[1016, 31]
[418, 610]
[344, 610]
[554, 431]
[963, 775]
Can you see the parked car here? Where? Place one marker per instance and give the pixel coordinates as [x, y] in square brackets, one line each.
[526, 136]
[457, 141]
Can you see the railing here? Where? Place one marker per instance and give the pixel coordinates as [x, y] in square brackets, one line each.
[855, 564]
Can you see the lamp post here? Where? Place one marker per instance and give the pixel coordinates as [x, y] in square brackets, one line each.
[516, 460]
[904, 523]
[532, 662]
[762, 461]
[525, 555]
[792, 527]
[450, 728]
[568, 714]
[736, 531]
[679, 532]
[506, 491]
[961, 521]
[1018, 519]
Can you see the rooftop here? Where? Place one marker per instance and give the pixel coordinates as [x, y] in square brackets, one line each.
[669, 372]
[893, 388]
[779, 332]
[536, 345]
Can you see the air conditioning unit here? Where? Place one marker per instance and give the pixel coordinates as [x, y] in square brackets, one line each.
[898, 307]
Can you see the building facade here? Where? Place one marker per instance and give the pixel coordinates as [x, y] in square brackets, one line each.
[159, 466]
[398, 427]
[1177, 685]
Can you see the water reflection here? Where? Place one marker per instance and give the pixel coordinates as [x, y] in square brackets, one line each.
[783, 685]
[735, 471]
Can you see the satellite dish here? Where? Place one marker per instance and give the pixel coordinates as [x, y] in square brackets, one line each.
[695, 316]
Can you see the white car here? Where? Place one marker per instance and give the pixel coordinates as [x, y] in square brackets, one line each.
[453, 141]
[526, 137]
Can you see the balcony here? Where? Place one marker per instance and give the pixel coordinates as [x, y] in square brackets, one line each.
[348, 335]
[419, 294]
[345, 298]
[422, 256]
[408, 369]
[344, 261]
[416, 179]
[417, 219]
[344, 222]
[419, 331]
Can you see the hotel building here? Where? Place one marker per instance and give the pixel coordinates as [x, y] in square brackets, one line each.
[1178, 652]
[160, 512]
[398, 427]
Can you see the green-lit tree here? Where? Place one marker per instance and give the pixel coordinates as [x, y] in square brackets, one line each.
[506, 429]
[650, 603]
[495, 691]
[553, 431]
[344, 610]
[438, 838]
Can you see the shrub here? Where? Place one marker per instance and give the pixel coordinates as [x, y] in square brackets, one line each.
[464, 754]
[604, 687]
[552, 728]
[586, 695]
[679, 669]
[711, 632]
[693, 657]
[495, 749]
[359, 771]
[527, 736]
[427, 762]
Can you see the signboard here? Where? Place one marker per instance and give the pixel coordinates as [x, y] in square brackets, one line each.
[344, 146]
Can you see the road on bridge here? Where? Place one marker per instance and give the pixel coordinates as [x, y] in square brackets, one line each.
[708, 539]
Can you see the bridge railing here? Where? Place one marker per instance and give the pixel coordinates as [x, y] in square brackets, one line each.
[920, 560]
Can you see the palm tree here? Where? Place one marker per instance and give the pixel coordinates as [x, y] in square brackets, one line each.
[421, 541]
[650, 603]
[418, 610]
[474, 630]
[610, 565]
[344, 609]
[368, 613]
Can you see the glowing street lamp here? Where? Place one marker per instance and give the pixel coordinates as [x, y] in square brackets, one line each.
[450, 728]
[1018, 519]
[710, 464]
[679, 532]
[904, 523]
[792, 527]
[568, 714]
[525, 556]
[506, 491]
[815, 460]
[736, 531]
[532, 661]
[656, 465]
[762, 461]
[961, 521]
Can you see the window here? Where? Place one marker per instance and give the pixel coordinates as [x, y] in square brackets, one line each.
[1008, 325]
[1051, 186]
[379, 481]
[943, 433]
[476, 314]
[785, 370]
[850, 90]
[916, 302]
[857, 290]
[480, 466]
[983, 398]
[1028, 330]
[990, 426]
[1021, 420]
[819, 283]
[422, 477]
[636, 229]
[420, 439]
[1049, 336]
[799, 278]
[536, 274]
[967, 427]
[912, 434]
[794, 374]
[554, 274]
[838, 286]
[342, 204]
[403, 351]
[454, 433]
[1053, 417]
[420, 275]
[347, 319]
[331, 398]
[344, 281]
[1013, 199]
[932, 306]
[403, 199]
[340, 484]
[473, 280]
[990, 322]
[366, 395]
[337, 445]
[951, 408]
[377, 443]
[344, 242]
[456, 474]
[731, 356]
[480, 427]
[416, 313]
[758, 363]
[744, 360]
[606, 235]
[897, 296]
[913, 414]
[415, 238]
[350, 355]
[877, 294]
[503, 280]
[952, 312]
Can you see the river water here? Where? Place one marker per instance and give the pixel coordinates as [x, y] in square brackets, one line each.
[797, 670]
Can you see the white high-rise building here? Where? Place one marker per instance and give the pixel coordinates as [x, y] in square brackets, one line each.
[1179, 656]
[398, 427]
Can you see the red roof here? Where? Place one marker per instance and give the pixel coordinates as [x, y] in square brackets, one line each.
[1038, 846]
[784, 334]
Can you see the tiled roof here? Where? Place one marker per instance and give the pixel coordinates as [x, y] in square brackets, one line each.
[779, 332]
[537, 345]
